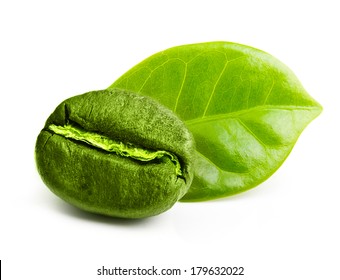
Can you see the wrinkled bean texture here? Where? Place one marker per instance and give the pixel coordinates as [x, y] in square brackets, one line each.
[84, 173]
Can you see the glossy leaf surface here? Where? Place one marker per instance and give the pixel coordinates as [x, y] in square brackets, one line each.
[245, 109]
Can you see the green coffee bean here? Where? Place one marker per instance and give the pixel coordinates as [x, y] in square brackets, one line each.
[115, 153]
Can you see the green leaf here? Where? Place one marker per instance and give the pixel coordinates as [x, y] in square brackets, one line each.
[245, 109]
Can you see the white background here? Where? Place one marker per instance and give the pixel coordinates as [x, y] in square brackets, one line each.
[287, 228]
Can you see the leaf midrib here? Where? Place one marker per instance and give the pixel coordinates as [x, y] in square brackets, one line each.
[247, 111]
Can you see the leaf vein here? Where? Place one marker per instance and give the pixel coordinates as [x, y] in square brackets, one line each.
[268, 94]
[156, 68]
[243, 112]
[251, 132]
[182, 85]
[214, 89]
